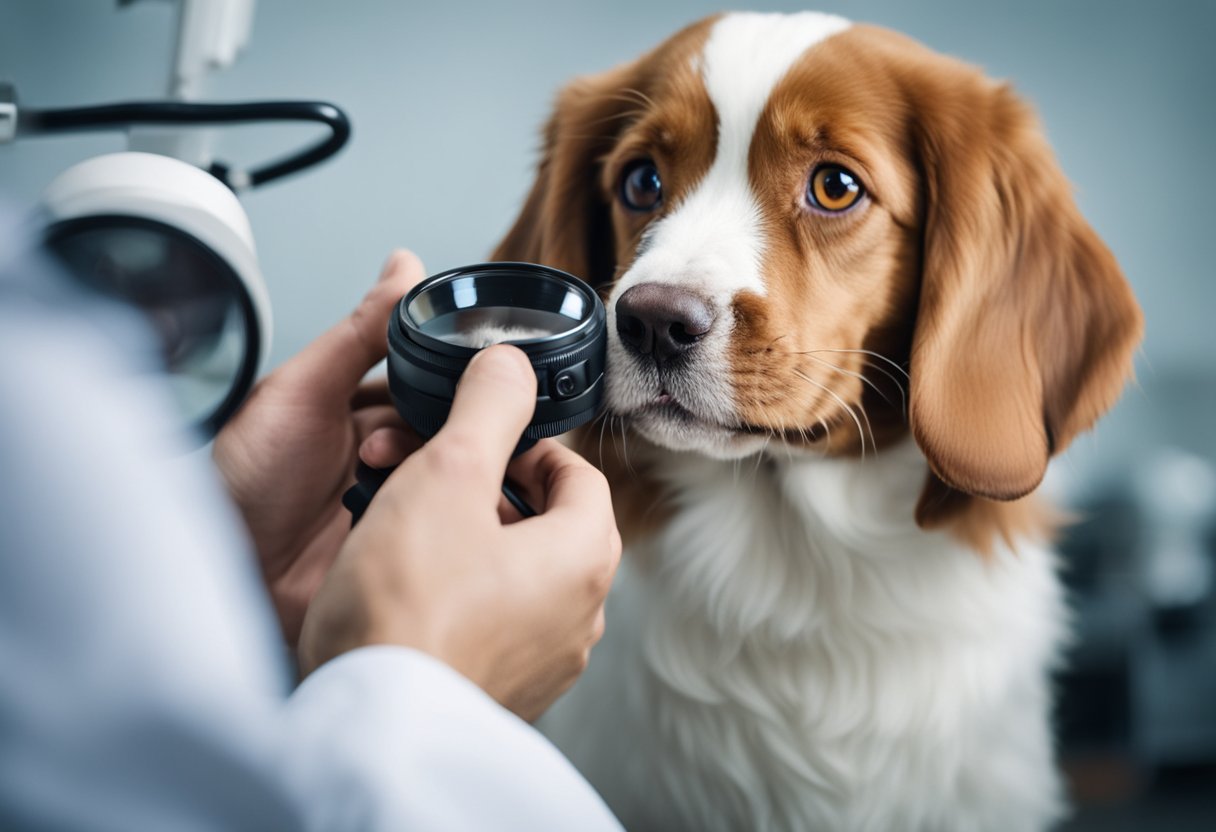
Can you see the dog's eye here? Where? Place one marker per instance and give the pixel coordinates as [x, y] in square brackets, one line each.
[641, 187]
[834, 188]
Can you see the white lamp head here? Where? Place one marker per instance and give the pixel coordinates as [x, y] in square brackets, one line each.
[173, 241]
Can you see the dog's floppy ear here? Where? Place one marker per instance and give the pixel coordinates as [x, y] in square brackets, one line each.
[1025, 326]
[566, 222]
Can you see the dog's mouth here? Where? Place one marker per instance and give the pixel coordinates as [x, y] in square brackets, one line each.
[689, 409]
[668, 422]
[666, 407]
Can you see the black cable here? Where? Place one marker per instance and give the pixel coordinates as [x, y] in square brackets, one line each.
[124, 115]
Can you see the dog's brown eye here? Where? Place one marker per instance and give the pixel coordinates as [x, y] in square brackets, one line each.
[641, 187]
[834, 188]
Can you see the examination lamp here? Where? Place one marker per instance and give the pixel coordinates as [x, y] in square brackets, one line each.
[171, 239]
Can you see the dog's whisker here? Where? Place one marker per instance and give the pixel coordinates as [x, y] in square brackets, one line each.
[903, 394]
[866, 416]
[638, 95]
[625, 448]
[603, 420]
[848, 408]
[859, 376]
[852, 409]
[867, 354]
[870, 353]
[759, 460]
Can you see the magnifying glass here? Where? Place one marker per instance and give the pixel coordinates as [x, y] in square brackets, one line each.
[171, 241]
[557, 320]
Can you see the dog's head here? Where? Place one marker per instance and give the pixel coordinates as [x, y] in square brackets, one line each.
[797, 222]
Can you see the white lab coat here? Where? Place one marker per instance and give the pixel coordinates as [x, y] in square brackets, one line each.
[142, 685]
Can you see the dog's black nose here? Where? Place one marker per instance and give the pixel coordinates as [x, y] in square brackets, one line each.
[664, 320]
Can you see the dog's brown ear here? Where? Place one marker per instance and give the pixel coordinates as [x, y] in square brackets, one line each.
[1025, 327]
[566, 221]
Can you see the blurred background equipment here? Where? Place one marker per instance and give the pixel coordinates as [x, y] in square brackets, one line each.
[1137, 714]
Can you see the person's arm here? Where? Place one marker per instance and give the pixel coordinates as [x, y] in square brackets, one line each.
[143, 686]
[141, 681]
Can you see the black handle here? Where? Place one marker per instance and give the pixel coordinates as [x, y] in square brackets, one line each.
[359, 496]
[368, 481]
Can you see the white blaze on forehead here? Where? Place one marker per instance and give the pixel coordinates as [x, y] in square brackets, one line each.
[713, 241]
[744, 59]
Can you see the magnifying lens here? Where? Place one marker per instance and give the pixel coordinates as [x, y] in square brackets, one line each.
[555, 318]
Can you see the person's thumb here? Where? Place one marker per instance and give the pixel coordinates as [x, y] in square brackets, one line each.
[494, 403]
[331, 367]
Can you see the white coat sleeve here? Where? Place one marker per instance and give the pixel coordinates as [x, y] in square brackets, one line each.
[416, 736]
[142, 685]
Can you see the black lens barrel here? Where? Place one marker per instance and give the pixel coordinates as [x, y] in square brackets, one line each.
[423, 370]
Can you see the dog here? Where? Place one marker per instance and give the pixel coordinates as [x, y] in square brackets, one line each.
[853, 311]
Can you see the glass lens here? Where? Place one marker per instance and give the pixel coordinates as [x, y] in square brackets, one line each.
[497, 306]
[484, 326]
[190, 296]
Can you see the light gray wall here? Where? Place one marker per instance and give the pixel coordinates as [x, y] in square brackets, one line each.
[447, 97]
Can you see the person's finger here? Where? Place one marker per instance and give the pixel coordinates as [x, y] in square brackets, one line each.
[331, 367]
[529, 470]
[371, 392]
[575, 497]
[388, 446]
[494, 403]
[373, 418]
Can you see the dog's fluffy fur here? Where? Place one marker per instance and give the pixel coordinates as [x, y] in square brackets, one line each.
[838, 608]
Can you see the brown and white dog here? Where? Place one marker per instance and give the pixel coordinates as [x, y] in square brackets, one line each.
[853, 311]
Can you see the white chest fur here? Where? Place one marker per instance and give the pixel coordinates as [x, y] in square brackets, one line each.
[798, 655]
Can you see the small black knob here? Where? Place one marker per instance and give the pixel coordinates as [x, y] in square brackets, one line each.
[565, 385]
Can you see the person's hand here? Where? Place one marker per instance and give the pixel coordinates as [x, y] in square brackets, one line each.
[515, 607]
[289, 453]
